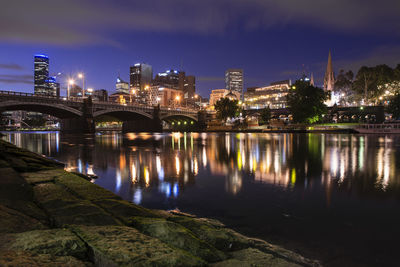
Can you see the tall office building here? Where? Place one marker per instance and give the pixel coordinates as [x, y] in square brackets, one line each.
[52, 87]
[189, 86]
[234, 80]
[171, 79]
[41, 73]
[140, 76]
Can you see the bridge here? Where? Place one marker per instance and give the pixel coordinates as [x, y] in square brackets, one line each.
[78, 115]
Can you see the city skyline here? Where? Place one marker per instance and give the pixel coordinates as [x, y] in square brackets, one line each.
[204, 39]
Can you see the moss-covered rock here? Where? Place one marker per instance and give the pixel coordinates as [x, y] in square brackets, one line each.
[64, 208]
[12, 221]
[84, 188]
[252, 257]
[177, 236]
[26, 259]
[58, 242]
[45, 176]
[125, 246]
[220, 237]
[124, 210]
[282, 253]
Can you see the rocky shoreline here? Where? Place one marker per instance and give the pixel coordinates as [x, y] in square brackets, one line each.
[50, 217]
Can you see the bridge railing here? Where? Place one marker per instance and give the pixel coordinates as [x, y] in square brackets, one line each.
[179, 110]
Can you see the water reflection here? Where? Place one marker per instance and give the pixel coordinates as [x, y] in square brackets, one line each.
[169, 163]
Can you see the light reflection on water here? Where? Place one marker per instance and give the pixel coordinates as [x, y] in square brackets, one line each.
[250, 178]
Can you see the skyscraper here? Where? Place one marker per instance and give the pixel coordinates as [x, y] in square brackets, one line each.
[140, 76]
[189, 86]
[329, 79]
[41, 73]
[52, 87]
[234, 80]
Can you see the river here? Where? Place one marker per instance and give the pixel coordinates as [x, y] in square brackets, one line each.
[333, 197]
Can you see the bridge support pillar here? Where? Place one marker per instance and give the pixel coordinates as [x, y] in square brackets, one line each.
[202, 120]
[77, 125]
[84, 124]
[144, 125]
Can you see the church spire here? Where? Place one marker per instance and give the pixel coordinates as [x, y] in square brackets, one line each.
[312, 79]
[329, 79]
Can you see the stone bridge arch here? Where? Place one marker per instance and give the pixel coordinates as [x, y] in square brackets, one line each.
[57, 110]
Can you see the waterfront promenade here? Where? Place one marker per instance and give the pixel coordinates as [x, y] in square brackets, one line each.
[51, 217]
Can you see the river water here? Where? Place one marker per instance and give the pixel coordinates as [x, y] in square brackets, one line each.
[334, 197]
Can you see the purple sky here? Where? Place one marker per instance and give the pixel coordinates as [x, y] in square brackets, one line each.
[271, 40]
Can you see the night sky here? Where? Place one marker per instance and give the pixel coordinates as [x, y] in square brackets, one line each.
[271, 40]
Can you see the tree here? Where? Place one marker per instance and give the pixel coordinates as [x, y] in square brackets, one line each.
[306, 102]
[368, 80]
[226, 108]
[394, 106]
[265, 115]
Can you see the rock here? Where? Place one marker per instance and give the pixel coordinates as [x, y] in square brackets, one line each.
[27, 208]
[56, 242]
[83, 188]
[252, 257]
[13, 186]
[64, 208]
[42, 176]
[26, 259]
[124, 210]
[177, 236]
[282, 253]
[215, 234]
[125, 246]
[13, 221]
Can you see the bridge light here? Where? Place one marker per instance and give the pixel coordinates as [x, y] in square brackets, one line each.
[80, 75]
[191, 122]
[71, 82]
[185, 123]
[179, 123]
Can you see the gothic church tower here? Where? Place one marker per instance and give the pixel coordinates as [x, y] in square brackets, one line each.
[329, 79]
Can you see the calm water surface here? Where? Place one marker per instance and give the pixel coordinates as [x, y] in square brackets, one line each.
[334, 197]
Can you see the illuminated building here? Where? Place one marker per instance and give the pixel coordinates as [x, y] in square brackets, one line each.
[165, 97]
[121, 86]
[52, 87]
[41, 73]
[273, 96]
[100, 95]
[216, 95]
[140, 76]
[120, 98]
[234, 80]
[171, 78]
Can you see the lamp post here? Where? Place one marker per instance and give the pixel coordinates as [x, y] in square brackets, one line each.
[81, 76]
[70, 82]
[133, 91]
[177, 100]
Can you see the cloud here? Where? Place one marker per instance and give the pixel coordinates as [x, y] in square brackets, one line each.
[16, 79]
[11, 66]
[81, 22]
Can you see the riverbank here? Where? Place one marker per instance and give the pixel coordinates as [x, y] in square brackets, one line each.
[52, 217]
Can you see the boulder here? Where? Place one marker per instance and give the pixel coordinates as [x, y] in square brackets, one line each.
[177, 236]
[125, 246]
[56, 242]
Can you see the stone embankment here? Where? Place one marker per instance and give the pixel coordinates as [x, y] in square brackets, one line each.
[49, 217]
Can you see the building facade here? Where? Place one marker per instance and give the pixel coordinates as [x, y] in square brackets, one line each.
[234, 80]
[216, 95]
[272, 96]
[140, 76]
[41, 74]
[121, 86]
[52, 87]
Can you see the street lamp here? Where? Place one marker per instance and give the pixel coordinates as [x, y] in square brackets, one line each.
[133, 91]
[70, 82]
[81, 76]
[177, 99]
